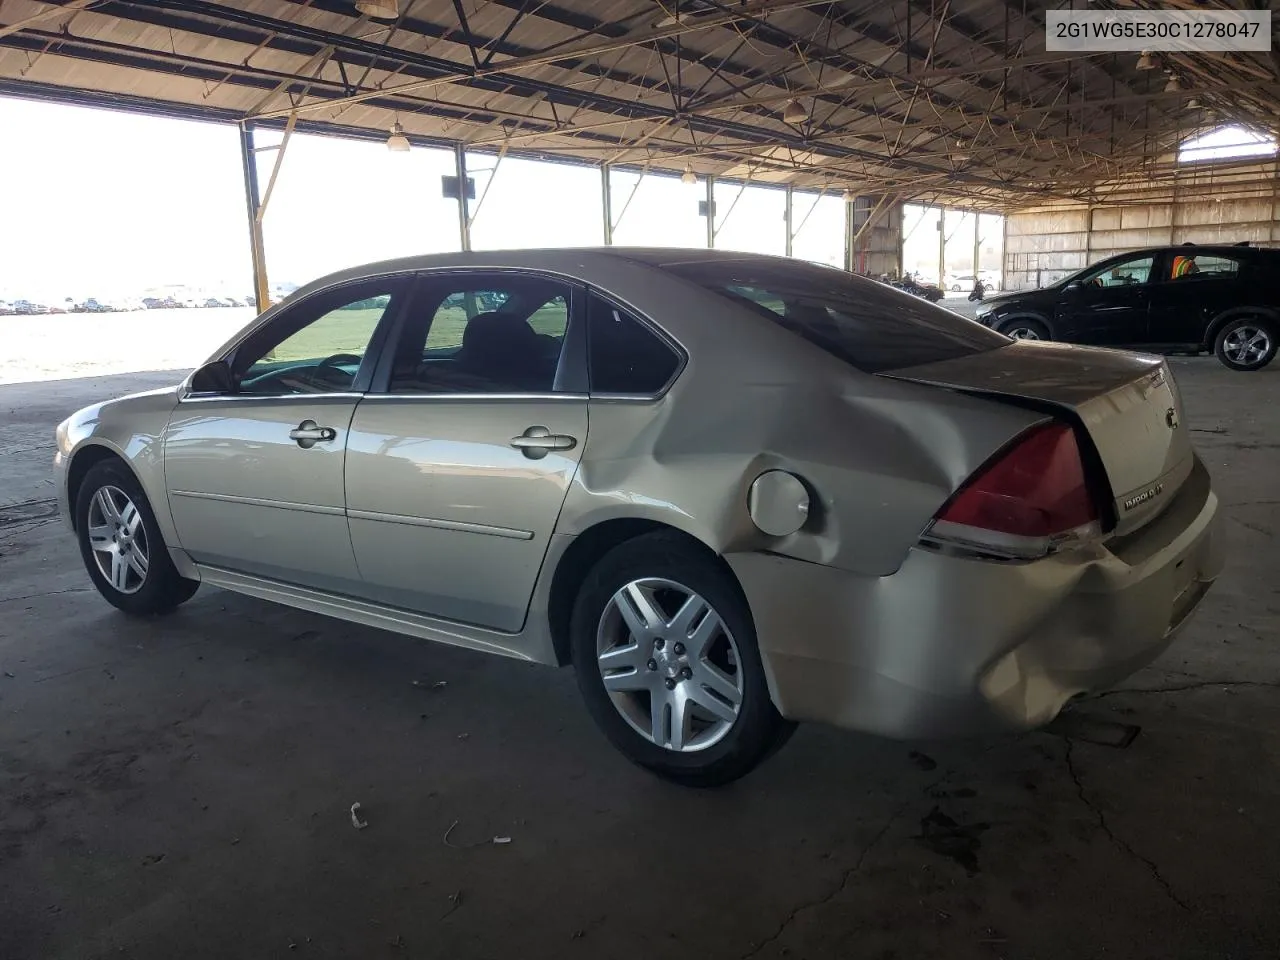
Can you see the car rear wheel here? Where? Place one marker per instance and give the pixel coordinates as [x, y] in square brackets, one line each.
[665, 654]
[121, 543]
[1246, 344]
[1026, 330]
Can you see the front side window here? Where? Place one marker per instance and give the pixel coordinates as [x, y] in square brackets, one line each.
[489, 334]
[866, 324]
[316, 347]
[1127, 273]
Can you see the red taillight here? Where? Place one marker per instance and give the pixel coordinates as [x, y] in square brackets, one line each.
[1033, 493]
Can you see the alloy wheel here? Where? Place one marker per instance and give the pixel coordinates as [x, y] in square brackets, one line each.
[669, 664]
[1246, 344]
[118, 539]
[1023, 333]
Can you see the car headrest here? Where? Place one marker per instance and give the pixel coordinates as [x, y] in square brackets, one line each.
[498, 335]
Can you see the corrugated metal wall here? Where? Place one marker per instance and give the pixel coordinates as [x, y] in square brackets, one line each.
[879, 248]
[1217, 205]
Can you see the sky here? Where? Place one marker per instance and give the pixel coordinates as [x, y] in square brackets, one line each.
[107, 204]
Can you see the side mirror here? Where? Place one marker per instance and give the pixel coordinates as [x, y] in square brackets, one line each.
[1074, 286]
[214, 377]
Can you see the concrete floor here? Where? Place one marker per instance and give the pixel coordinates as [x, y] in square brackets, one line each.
[180, 787]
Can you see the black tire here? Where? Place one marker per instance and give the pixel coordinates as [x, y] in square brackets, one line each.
[1026, 328]
[1242, 330]
[758, 729]
[162, 588]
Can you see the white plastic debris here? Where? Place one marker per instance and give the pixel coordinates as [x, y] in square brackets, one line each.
[476, 843]
[355, 817]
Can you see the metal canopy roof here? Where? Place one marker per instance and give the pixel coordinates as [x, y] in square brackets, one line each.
[954, 100]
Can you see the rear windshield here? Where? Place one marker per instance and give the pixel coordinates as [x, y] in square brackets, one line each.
[867, 324]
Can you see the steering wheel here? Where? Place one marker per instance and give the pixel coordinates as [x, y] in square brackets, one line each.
[338, 359]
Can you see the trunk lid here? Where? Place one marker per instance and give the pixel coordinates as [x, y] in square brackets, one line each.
[1128, 404]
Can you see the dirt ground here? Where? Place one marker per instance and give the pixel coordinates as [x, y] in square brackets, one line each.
[181, 787]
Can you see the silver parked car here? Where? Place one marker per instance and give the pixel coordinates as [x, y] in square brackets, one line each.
[733, 491]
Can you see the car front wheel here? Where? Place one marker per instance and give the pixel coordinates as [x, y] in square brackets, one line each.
[1246, 344]
[665, 654]
[1026, 330]
[122, 546]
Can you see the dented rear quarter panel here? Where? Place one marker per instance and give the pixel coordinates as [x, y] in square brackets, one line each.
[879, 456]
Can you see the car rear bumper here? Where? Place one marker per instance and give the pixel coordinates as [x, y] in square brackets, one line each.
[953, 645]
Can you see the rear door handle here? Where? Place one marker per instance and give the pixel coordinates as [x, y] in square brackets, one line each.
[308, 433]
[537, 441]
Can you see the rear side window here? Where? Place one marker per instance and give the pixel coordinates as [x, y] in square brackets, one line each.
[625, 355]
[1194, 266]
[866, 324]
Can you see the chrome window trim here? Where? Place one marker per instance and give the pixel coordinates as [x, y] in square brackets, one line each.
[266, 397]
[472, 397]
[628, 397]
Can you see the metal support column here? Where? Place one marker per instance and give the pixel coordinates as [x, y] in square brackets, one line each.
[977, 244]
[464, 214]
[257, 249]
[606, 205]
[786, 216]
[711, 212]
[849, 202]
[942, 246]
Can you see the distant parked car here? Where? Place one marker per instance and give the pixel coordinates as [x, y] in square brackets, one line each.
[28, 308]
[1188, 298]
[213, 302]
[6, 308]
[93, 305]
[961, 282]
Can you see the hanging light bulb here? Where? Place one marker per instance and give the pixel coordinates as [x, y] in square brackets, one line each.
[794, 112]
[397, 142]
[688, 176]
[1146, 61]
[1173, 86]
[848, 196]
[379, 9]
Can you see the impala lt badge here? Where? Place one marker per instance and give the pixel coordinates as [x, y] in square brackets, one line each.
[1171, 418]
[1140, 498]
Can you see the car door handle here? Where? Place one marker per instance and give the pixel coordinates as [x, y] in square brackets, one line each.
[308, 433]
[536, 441]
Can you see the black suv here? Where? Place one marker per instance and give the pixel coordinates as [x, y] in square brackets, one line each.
[1188, 298]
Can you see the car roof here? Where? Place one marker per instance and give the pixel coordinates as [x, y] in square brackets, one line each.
[1233, 249]
[570, 261]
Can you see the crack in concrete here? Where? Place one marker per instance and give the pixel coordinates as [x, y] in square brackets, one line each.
[1199, 685]
[48, 593]
[1117, 841]
[847, 876]
[1256, 528]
